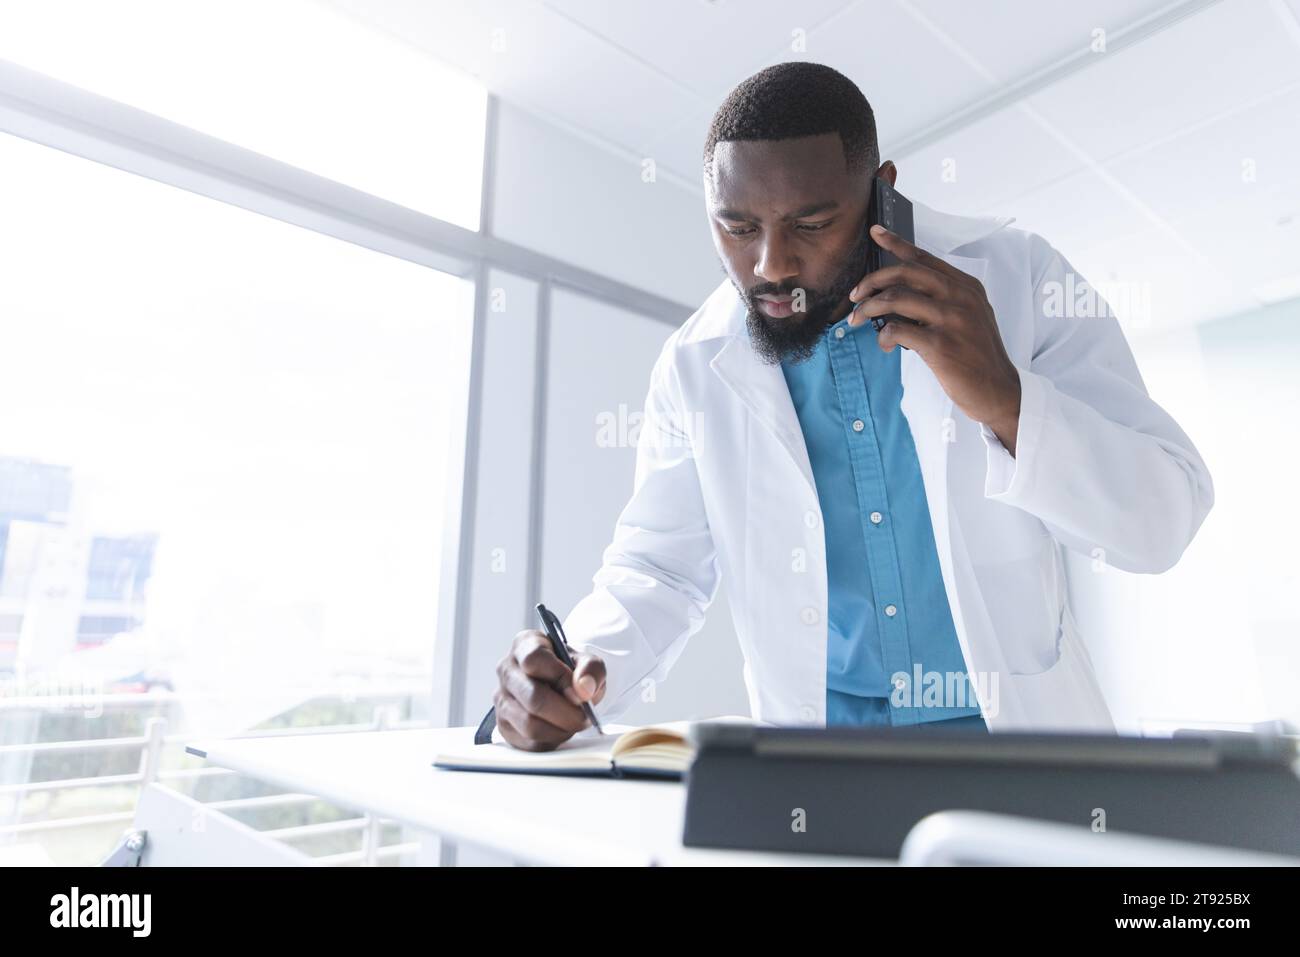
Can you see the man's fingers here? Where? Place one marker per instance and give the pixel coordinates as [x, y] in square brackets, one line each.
[911, 253]
[515, 739]
[589, 678]
[535, 734]
[914, 276]
[541, 700]
[902, 302]
[533, 653]
[508, 730]
[905, 334]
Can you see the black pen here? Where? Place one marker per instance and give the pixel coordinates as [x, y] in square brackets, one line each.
[560, 645]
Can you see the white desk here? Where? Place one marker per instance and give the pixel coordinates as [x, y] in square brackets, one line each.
[530, 817]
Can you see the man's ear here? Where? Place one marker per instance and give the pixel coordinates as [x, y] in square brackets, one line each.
[888, 172]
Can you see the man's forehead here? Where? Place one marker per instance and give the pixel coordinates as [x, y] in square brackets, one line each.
[780, 172]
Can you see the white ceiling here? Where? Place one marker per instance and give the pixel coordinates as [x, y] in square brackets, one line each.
[1130, 161]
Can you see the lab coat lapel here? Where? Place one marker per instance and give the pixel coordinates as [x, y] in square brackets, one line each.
[929, 414]
[762, 388]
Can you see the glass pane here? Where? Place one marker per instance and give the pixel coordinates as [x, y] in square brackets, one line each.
[291, 79]
[221, 477]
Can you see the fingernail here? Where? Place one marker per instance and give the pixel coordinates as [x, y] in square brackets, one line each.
[879, 230]
[587, 684]
[854, 293]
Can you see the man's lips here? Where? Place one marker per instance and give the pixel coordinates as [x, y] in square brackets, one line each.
[778, 307]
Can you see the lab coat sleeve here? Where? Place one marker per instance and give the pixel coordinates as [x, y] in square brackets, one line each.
[1104, 467]
[659, 574]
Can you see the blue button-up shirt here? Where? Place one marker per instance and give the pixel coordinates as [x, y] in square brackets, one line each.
[888, 616]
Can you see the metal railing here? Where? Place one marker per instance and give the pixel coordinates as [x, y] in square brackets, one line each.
[151, 746]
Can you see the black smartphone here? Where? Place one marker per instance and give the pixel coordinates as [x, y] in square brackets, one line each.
[889, 208]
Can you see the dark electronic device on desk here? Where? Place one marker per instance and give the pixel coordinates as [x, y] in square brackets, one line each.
[891, 209]
[866, 788]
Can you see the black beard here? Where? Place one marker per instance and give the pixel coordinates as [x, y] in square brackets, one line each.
[794, 338]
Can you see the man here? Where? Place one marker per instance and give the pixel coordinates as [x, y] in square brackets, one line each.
[894, 511]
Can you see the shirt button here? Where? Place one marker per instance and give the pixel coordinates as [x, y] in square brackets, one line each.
[876, 518]
[839, 333]
[810, 519]
[858, 425]
[808, 713]
[810, 616]
[891, 610]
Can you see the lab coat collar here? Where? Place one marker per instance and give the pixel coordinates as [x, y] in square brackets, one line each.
[946, 233]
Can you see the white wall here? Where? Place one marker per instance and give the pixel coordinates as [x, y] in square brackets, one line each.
[588, 205]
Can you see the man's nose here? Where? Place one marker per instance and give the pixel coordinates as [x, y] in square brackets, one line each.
[776, 262]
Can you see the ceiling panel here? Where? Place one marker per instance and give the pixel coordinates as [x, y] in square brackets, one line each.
[906, 72]
[980, 168]
[910, 78]
[1076, 212]
[911, 81]
[1253, 243]
[1216, 166]
[1225, 55]
[1014, 38]
[706, 46]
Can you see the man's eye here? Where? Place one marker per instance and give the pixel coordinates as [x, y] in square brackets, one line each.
[812, 227]
[739, 231]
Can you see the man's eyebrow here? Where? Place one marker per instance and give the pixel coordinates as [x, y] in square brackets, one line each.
[727, 212]
[811, 209]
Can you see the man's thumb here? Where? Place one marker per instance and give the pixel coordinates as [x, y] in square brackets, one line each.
[589, 678]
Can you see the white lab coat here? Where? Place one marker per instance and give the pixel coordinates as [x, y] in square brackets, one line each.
[724, 489]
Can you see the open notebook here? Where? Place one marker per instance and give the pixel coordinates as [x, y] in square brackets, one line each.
[656, 751]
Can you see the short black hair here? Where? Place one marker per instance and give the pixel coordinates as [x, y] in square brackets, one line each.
[797, 99]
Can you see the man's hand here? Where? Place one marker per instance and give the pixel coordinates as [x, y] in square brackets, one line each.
[953, 330]
[539, 700]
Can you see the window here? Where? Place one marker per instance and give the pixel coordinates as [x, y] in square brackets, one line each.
[221, 472]
[293, 80]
